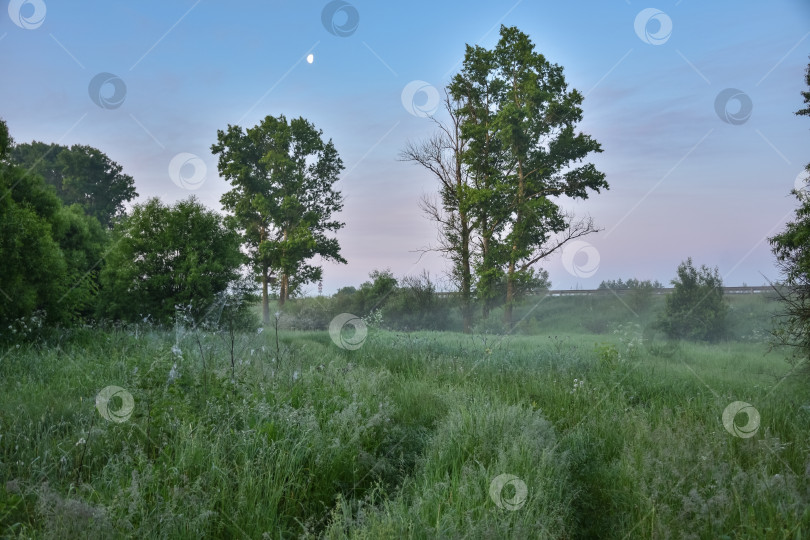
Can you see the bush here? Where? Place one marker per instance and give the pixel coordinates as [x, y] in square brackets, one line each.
[695, 309]
[164, 256]
[415, 305]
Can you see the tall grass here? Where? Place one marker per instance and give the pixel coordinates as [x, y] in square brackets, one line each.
[402, 438]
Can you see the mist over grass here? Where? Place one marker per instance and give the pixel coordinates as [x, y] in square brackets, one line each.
[238, 435]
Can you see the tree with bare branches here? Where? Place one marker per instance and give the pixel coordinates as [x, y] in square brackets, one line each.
[523, 153]
[441, 155]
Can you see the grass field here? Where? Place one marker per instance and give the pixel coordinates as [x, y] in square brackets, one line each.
[601, 434]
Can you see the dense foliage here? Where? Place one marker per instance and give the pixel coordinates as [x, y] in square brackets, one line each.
[523, 151]
[166, 256]
[80, 175]
[282, 200]
[50, 252]
[695, 309]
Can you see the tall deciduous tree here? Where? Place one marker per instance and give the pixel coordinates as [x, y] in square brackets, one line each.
[282, 199]
[80, 175]
[524, 153]
[164, 256]
[442, 155]
[478, 93]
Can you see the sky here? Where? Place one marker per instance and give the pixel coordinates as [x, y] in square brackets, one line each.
[693, 103]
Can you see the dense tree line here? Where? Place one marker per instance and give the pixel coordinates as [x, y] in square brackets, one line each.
[71, 254]
[630, 284]
[49, 250]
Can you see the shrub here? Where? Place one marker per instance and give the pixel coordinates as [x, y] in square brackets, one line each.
[695, 309]
[164, 256]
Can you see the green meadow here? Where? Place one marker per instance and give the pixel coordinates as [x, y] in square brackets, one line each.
[577, 425]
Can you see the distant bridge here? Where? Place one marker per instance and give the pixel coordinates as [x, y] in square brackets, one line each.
[663, 290]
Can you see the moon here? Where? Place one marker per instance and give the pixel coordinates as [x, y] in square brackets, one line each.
[310, 58]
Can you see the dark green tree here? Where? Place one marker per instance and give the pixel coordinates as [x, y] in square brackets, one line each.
[33, 272]
[6, 142]
[282, 200]
[791, 248]
[51, 253]
[524, 153]
[695, 309]
[80, 175]
[82, 241]
[167, 256]
[373, 294]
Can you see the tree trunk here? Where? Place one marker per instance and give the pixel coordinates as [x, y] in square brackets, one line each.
[285, 278]
[265, 298]
[510, 296]
[282, 290]
[483, 286]
[466, 275]
[510, 273]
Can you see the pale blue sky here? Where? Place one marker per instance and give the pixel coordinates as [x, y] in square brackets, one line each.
[683, 181]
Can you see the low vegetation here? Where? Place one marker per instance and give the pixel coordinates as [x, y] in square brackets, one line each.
[261, 435]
